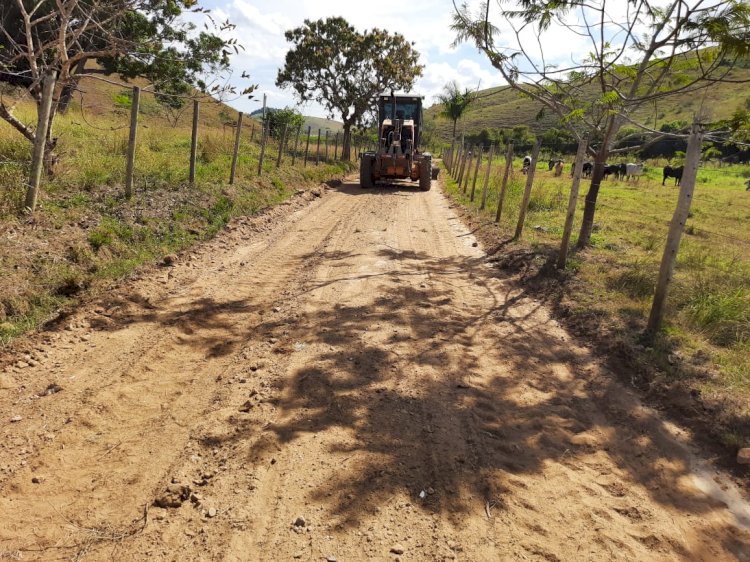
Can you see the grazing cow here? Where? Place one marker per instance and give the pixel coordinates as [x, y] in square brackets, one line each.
[552, 163]
[558, 168]
[588, 167]
[611, 169]
[676, 173]
[526, 164]
[747, 185]
[634, 171]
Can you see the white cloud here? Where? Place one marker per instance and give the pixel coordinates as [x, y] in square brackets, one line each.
[261, 25]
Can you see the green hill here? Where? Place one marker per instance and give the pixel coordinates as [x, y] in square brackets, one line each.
[503, 107]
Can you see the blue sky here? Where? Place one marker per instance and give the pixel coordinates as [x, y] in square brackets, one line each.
[261, 25]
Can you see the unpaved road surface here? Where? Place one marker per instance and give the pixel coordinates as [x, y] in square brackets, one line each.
[350, 360]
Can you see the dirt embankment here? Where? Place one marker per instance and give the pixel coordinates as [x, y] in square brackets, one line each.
[346, 378]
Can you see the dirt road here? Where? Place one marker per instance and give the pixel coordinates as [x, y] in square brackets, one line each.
[344, 378]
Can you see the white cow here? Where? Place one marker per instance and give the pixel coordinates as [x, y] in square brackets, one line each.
[634, 171]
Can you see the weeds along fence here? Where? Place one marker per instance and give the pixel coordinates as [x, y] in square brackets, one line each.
[640, 225]
[120, 135]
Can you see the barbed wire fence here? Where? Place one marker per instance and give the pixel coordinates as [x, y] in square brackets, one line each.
[252, 138]
[477, 174]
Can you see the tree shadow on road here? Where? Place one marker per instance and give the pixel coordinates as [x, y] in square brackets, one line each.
[438, 389]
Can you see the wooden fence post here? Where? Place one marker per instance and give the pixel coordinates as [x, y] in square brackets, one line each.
[317, 156]
[476, 172]
[468, 168]
[236, 152]
[40, 139]
[462, 166]
[282, 141]
[457, 163]
[252, 132]
[296, 145]
[562, 257]
[135, 103]
[336, 147]
[194, 141]
[263, 139]
[527, 191]
[327, 133]
[490, 156]
[307, 146]
[676, 227]
[504, 185]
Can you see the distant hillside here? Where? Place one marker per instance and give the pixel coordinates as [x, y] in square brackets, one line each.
[503, 107]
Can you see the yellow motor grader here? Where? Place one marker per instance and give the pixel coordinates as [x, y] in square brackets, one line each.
[399, 155]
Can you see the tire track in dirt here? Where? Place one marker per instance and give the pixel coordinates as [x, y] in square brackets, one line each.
[370, 374]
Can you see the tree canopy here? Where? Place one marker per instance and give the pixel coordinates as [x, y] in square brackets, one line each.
[134, 38]
[636, 53]
[454, 102]
[330, 62]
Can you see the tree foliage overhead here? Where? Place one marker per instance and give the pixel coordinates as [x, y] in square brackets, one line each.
[344, 70]
[636, 53]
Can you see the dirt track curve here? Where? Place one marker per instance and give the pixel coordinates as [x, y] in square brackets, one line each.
[349, 360]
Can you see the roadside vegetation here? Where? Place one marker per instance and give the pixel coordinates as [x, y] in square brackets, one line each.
[85, 234]
[605, 293]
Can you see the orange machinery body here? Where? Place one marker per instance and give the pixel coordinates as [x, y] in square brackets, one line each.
[395, 167]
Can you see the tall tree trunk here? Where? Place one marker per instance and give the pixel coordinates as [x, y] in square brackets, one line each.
[346, 142]
[597, 174]
[50, 156]
[587, 224]
[66, 95]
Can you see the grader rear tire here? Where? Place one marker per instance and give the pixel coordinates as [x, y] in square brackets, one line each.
[425, 174]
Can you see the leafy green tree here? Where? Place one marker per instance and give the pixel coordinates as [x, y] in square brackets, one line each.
[344, 70]
[151, 39]
[280, 120]
[454, 102]
[634, 57]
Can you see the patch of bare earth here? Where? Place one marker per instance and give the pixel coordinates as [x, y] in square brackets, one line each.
[349, 380]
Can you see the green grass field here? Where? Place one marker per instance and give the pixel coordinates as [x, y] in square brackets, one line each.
[709, 301]
[84, 234]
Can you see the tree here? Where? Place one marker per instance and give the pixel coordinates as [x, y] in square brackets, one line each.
[344, 70]
[637, 53]
[454, 102]
[280, 120]
[134, 38]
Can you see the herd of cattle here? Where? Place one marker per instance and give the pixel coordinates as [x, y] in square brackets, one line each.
[623, 171]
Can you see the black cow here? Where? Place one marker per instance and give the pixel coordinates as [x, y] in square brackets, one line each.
[588, 167]
[676, 173]
[553, 162]
[617, 170]
[747, 185]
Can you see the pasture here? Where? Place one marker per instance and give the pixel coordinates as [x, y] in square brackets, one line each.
[707, 337]
[85, 234]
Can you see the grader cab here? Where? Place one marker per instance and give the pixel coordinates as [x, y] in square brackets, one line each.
[399, 155]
